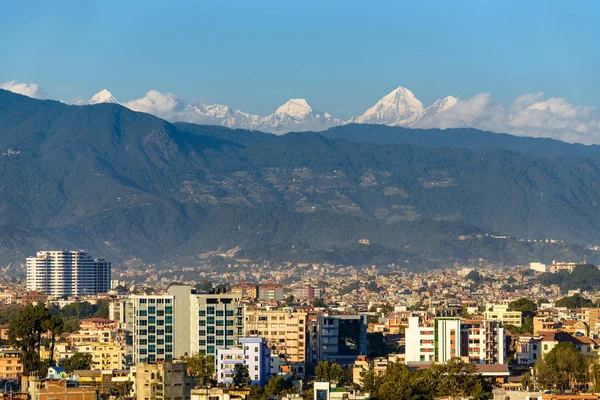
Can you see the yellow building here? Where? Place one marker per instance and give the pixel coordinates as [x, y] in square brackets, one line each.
[105, 356]
[500, 313]
[284, 330]
[10, 364]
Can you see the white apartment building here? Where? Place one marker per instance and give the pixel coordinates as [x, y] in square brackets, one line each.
[482, 342]
[67, 273]
[253, 353]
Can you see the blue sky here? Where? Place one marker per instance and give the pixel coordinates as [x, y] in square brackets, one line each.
[340, 55]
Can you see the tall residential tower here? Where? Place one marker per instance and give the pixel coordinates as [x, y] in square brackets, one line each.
[67, 273]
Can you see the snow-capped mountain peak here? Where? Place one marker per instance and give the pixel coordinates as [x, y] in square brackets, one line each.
[103, 96]
[438, 106]
[399, 107]
[297, 108]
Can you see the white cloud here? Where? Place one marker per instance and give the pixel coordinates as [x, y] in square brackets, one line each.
[528, 115]
[157, 103]
[27, 89]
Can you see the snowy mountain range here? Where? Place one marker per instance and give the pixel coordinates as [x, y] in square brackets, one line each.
[398, 108]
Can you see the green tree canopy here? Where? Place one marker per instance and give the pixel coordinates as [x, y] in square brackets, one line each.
[241, 376]
[78, 361]
[201, 366]
[25, 333]
[563, 368]
[277, 386]
[332, 372]
[522, 304]
[575, 301]
[453, 378]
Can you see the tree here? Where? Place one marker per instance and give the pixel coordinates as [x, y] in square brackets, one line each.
[575, 301]
[241, 376]
[474, 276]
[318, 302]
[78, 361]
[522, 304]
[276, 386]
[563, 368]
[55, 326]
[331, 372]
[204, 286]
[458, 378]
[396, 383]
[25, 333]
[201, 366]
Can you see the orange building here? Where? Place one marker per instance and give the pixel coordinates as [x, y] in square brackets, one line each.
[60, 389]
[10, 364]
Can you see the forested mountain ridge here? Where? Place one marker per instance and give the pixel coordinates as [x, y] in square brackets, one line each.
[129, 185]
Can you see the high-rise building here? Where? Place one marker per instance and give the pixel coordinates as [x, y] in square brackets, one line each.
[181, 323]
[338, 338]
[285, 331]
[67, 273]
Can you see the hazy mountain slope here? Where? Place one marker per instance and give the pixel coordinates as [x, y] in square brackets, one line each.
[129, 185]
[467, 138]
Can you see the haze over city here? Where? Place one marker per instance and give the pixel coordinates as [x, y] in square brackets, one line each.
[315, 200]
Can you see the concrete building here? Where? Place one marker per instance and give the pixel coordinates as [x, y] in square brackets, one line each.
[67, 273]
[500, 313]
[149, 321]
[57, 386]
[165, 380]
[252, 352]
[285, 331]
[538, 267]
[270, 292]
[245, 290]
[528, 349]
[482, 342]
[10, 364]
[182, 323]
[304, 293]
[338, 338]
[105, 356]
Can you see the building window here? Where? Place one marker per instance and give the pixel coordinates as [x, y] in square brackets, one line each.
[210, 310]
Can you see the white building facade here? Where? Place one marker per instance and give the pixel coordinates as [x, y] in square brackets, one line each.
[253, 353]
[68, 273]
